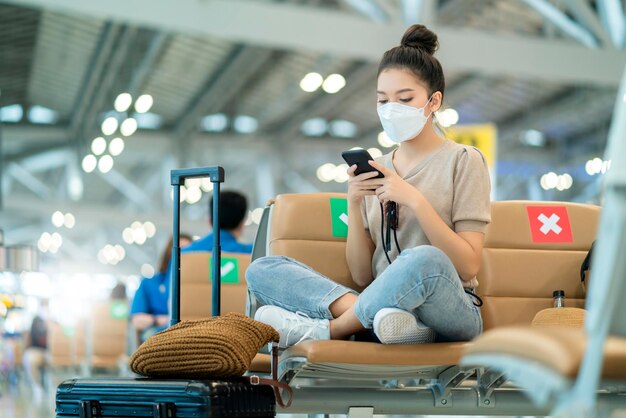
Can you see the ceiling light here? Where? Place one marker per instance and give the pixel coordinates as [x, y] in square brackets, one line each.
[149, 228]
[214, 123]
[206, 184]
[375, 152]
[311, 82]
[343, 129]
[147, 271]
[127, 236]
[122, 102]
[109, 126]
[314, 127]
[89, 163]
[11, 113]
[56, 239]
[245, 124]
[116, 146]
[120, 252]
[139, 236]
[384, 141]
[551, 180]
[533, 138]
[42, 115]
[105, 164]
[101, 258]
[129, 126]
[341, 173]
[334, 83]
[326, 172]
[69, 221]
[143, 103]
[57, 219]
[98, 145]
[194, 194]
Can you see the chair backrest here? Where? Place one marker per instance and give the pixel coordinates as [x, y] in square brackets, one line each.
[108, 332]
[195, 292]
[302, 226]
[62, 345]
[531, 249]
[519, 270]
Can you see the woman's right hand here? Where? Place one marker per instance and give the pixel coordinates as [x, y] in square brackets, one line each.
[361, 185]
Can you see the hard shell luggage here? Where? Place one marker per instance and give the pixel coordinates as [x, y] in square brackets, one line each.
[171, 398]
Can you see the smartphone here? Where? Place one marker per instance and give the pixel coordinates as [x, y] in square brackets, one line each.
[360, 157]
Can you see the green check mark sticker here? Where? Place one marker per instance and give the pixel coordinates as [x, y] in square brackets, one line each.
[339, 217]
[230, 269]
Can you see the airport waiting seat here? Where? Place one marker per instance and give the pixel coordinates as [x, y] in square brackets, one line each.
[107, 335]
[66, 345]
[517, 279]
[195, 293]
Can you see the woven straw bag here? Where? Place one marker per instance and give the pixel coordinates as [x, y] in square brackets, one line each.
[566, 317]
[222, 346]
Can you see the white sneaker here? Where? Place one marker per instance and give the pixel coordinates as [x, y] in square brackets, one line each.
[395, 326]
[293, 327]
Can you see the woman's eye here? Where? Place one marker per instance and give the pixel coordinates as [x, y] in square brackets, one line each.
[382, 102]
[406, 100]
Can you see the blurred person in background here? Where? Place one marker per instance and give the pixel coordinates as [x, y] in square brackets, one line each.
[34, 359]
[150, 308]
[233, 212]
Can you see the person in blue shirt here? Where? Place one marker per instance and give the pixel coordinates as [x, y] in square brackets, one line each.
[150, 308]
[234, 209]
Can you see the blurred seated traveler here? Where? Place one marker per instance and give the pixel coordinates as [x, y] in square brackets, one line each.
[233, 212]
[35, 356]
[150, 308]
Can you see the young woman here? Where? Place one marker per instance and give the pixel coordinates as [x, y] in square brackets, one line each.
[441, 190]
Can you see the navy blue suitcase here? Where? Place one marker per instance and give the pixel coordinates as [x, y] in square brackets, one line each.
[171, 398]
[158, 398]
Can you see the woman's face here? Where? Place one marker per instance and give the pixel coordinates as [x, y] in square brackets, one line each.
[401, 86]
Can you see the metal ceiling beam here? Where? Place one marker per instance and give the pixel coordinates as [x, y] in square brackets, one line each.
[612, 15]
[290, 26]
[369, 9]
[222, 86]
[128, 189]
[588, 17]
[153, 52]
[560, 20]
[31, 182]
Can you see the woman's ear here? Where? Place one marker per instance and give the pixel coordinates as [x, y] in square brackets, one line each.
[435, 102]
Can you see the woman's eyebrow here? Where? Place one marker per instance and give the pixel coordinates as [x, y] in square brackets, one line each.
[399, 91]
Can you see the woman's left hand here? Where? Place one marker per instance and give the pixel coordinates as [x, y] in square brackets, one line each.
[394, 188]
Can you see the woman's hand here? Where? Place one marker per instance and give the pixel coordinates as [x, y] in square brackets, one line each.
[362, 185]
[394, 188]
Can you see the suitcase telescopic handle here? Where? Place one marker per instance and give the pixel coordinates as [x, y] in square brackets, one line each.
[178, 177]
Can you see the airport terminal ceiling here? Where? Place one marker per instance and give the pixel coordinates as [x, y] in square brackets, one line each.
[226, 82]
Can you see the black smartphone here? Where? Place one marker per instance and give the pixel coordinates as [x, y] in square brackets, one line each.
[360, 157]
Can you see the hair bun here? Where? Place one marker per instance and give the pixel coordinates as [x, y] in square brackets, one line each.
[419, 36]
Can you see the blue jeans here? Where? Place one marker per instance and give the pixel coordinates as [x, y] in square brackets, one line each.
[422, 280]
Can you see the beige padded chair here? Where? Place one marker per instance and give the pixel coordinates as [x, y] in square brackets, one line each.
[196, 286]
[66, 346]
[107, 335]
[516, 281]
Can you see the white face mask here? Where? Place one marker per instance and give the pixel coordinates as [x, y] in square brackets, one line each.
[402, 122]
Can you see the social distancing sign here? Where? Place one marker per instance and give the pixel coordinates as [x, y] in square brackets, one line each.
[549, 224]
[339, 217]
[230, 269]
[483, 137]
[118, 309]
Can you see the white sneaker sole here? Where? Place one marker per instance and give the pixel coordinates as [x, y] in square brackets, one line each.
[395, 326]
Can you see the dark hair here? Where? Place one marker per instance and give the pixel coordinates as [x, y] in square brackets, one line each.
[415, 54]
[233, 211]
[118, 292]
[166, 256]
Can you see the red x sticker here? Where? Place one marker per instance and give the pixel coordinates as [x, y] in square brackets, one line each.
[549, 224]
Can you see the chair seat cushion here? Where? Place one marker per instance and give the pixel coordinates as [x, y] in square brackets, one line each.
[558, 348]
[364, 353]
